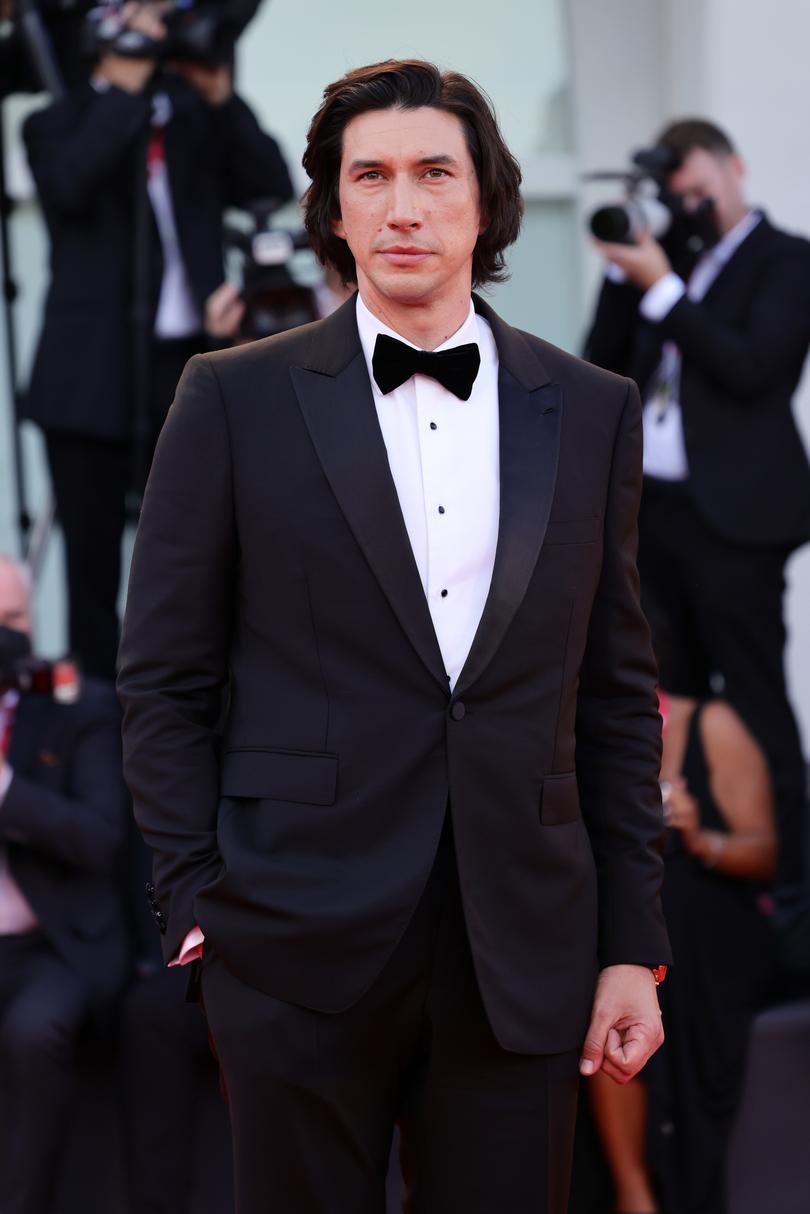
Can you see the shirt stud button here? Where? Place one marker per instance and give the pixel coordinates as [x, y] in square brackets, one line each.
[433, 426]
[441, 509]
[444, 594]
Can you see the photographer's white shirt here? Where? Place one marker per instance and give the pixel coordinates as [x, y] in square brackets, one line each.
[178, 314]
[664, 444]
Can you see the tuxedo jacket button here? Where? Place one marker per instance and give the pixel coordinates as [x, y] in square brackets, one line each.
[458, 711]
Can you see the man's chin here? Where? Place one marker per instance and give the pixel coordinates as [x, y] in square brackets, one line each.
[406, 287]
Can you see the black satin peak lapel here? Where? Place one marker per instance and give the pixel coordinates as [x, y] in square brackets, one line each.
[342, 421]
[334, 393]
[529, 424]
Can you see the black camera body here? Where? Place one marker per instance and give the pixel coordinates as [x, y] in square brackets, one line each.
[274, 300]
[53, 44]
[649, 205]
[199, 31]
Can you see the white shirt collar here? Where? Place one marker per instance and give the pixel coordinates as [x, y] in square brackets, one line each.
[369, 328]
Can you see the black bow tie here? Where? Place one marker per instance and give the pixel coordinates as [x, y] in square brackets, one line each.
[394, 363]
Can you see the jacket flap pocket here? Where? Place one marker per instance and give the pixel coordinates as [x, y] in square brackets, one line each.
[280, 775]
[574, 531]
[559, 799]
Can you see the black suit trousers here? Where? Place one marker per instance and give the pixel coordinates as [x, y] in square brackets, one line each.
[314, 1097]
[716, 613]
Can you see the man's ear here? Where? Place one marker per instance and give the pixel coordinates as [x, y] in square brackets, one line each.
[338, 228]
[740, 167]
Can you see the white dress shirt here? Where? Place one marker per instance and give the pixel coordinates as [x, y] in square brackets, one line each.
[664, 445]
[444, 458]
[443, 454]
[16, 915]
[178, 314]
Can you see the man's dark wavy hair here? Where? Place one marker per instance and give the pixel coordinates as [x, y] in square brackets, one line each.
[409, 84]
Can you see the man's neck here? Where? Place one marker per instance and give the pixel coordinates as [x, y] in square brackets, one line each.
[735, 218]
[425, 326]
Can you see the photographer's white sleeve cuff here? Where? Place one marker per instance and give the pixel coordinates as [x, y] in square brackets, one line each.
[662, 297]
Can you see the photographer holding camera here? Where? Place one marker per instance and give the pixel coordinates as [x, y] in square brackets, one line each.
[63, 945]
[171, 135]
[713, 323]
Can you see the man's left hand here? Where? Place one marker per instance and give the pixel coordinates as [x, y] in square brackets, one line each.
[214, 84]
[643, 263]
[625, 1028]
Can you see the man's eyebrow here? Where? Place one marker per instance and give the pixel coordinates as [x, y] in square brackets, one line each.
[358, 166]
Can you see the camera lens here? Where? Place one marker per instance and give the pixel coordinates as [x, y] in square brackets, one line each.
[612, 224]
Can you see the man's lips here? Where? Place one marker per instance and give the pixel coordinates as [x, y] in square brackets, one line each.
[405, 255]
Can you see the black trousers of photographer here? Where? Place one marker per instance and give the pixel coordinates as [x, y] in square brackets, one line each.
[91, 478]
[716, 613]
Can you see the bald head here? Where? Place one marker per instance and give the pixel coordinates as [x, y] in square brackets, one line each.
[15, 595]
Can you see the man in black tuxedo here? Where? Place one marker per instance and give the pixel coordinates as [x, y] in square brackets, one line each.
[717, 349]
[63, 945]
[393, 552]
[90, 162]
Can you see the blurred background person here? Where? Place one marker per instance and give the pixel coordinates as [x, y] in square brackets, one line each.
[227, 307]
[63, 945]
[666, 1134]
[181, 137]
[713, 323]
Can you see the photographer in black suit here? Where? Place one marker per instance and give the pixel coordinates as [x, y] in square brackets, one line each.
[717, 350]
[63, 947]
[206, 151]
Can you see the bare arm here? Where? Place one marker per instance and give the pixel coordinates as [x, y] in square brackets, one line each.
[741, 787]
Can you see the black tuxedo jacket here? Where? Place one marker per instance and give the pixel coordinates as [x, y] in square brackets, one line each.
[273, 578]
[83, 152]
[743, 347]
[62, 824]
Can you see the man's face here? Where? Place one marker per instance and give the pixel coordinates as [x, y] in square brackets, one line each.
[409, 205]
[14, 607]
[709, 175]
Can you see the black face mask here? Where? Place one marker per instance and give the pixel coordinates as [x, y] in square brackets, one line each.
[14, 646]
[691, 232]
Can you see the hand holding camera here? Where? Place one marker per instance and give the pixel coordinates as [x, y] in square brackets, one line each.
[213, 82]
[643, 263]
[133, 72]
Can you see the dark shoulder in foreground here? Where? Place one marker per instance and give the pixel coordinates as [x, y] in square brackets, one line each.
[323, 345]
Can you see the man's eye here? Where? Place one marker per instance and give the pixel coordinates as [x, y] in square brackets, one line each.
[436, 173]
[370, 175]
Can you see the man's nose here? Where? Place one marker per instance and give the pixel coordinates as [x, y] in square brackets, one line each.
[404, 210]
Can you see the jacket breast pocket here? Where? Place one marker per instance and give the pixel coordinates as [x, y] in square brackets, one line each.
[559, 799]
[280, 775]
[573, 531]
